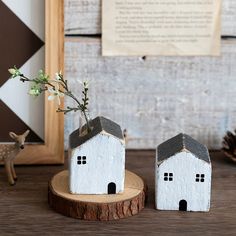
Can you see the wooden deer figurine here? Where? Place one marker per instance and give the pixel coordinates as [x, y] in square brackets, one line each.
[8, 153]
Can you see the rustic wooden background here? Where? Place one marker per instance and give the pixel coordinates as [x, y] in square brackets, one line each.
[154, 98]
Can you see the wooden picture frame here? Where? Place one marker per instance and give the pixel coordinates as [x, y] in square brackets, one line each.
[52, 150]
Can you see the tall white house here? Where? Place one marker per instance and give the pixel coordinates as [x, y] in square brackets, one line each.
[97, 159]
[183, 175]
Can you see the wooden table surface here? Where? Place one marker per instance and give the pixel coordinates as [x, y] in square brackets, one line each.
[24, 209]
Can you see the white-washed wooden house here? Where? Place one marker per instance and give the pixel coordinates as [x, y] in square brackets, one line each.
[97, 159]
[183, 175]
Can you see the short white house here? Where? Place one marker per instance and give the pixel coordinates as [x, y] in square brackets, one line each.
[97, 159]
[183, 175]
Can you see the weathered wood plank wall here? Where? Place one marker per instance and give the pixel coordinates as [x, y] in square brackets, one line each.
[84, 17]
[154, 98]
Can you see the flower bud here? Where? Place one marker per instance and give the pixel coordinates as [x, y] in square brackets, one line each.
[12, 71]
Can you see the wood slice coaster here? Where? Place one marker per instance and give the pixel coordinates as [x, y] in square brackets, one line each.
[97, 207]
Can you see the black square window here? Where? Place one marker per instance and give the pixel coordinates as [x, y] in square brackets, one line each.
[200, 178]
[81, 160]
[168, 176]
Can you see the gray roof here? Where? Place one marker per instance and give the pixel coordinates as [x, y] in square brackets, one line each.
[180, 142]
[99, 124]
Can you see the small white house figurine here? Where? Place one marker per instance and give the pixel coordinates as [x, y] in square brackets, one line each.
[97, 159]
[183, 175]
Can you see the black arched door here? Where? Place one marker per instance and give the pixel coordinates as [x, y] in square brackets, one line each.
[111, 189]
[183, 205]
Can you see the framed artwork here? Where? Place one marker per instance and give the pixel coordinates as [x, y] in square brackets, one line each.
[32, 38]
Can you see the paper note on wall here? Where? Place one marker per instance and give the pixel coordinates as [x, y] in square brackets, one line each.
[161, 27]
